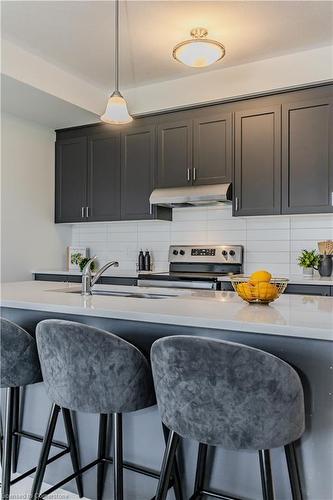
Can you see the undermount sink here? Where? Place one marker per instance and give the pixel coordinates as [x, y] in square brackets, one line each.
[135, 295]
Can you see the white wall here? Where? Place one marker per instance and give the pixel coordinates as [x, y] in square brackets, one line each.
[270, 242]
[29, 238]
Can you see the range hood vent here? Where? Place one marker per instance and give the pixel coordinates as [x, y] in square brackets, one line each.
[191, 196]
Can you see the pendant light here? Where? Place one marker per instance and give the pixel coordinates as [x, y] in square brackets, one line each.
[199, 51]
[116, 112]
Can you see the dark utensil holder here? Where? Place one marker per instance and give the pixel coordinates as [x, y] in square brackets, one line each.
[326, 265]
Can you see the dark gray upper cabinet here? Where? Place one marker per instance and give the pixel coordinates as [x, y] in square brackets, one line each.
[137, 172]
[103, 202]
[212, 149]
[257, 187]
[174, 153]
[71, 179]
[307, 156]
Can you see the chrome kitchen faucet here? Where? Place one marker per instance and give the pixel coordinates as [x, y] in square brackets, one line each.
[87, 280]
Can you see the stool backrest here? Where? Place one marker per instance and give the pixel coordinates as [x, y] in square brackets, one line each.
[92, 370]
[19, 362]
[226, 394]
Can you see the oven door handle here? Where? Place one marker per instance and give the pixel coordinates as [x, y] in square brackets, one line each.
[202, 285]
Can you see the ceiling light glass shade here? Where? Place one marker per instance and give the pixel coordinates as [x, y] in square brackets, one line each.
[200, 51]
[116, 112]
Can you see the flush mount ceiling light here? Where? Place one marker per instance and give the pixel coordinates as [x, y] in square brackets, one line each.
[116, 112]
[199, 51]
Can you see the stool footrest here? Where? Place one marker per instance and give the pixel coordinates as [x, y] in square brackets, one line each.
[135, 468]
[127, 465]
[31, 471]
[213, 494]
[36, 437]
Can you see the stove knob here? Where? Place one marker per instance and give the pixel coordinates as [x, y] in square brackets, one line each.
[182, 252]
[175, 252]
[232, 252]
[225, 253]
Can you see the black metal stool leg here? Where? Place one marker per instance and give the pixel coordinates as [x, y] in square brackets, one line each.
[266, 475]
[200, 472]
[295, 482]
[177, 484]
[7, 445]
[72, 448]
[118, 456]
[167, 465]
[102, 451]
[40, 471]
[16, 424]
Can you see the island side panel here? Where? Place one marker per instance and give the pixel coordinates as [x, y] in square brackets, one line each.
[235, 473]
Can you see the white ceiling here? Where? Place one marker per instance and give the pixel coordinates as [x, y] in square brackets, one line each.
[32, 104]
[78, 35]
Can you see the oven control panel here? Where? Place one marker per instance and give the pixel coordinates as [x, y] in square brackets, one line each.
[232, 254]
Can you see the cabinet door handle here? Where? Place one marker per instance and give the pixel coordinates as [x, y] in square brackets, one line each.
[237, 204]
[188, 174]
[150, 209]
[82, 212]
[194, 174]
[87, 212]
[332, 198]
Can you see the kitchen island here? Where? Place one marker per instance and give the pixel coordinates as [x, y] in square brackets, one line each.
[298, 329]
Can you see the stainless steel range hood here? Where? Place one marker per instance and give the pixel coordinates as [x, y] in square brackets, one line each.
[191, 196]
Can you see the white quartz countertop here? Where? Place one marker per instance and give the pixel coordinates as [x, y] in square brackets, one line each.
[291, 315]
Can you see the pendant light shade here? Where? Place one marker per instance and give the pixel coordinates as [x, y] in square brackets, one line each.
[199, 51]
[116, 112]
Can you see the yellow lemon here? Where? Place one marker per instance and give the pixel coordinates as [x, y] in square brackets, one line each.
[260, 276]
[265, 291]
[245, 291]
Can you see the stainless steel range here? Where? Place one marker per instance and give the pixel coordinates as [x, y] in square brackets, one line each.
[197, 266]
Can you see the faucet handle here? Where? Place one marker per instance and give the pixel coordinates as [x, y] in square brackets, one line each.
[86, 268]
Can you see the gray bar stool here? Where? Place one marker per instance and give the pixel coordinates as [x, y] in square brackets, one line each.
[91, 370]
[230, 395]
[19, 368]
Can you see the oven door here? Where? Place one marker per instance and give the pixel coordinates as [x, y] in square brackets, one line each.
[202, 285]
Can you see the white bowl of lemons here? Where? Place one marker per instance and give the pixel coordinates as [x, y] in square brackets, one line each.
[258, 288]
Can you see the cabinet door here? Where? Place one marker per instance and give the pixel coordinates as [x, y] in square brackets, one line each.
[308, 290]
[71, 179]
[307, 161]
[137, 172]
[258, 161]
[175, 154]
[103, 177]
[212, 149]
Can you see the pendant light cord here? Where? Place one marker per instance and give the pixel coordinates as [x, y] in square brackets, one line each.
[116, 51]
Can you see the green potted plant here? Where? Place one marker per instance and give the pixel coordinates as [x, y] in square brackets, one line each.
[81, 261]
[309, 260]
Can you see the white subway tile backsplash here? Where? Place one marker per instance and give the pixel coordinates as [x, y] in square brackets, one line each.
[268, 246]
[268, 257]
[267, 234]
[316, 221]
[314, 233]
[272, 242]
[267, 223]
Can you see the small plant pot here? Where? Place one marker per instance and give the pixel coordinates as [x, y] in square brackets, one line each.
[307, 272]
